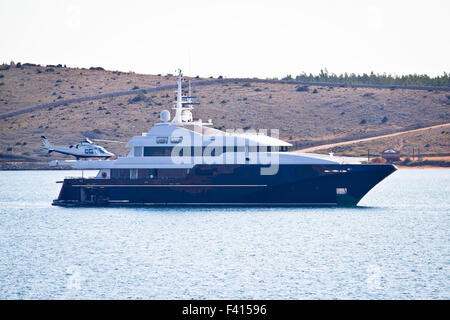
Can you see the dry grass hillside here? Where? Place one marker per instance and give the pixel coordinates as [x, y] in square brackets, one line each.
[430, 142]
[304, 115]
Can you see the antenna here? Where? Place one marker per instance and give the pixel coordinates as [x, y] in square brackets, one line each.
[190, 91]
[189, 62]
[183, 105]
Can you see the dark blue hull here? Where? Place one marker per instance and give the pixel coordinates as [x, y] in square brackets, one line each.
[232, 185]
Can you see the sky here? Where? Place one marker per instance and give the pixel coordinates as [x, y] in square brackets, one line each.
[243, 38]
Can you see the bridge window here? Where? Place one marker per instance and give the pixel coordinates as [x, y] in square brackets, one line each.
[176, 139]
[162, 140]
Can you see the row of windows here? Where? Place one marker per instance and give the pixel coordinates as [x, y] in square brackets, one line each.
[163, 140]
[212, 151]
[148, 173]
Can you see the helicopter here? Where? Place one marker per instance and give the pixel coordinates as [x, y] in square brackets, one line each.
[84, 149]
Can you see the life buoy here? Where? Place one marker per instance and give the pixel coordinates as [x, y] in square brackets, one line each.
[104, 175]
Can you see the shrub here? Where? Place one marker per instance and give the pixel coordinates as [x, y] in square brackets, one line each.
[257, 89]
[385, 119]
[135, 88]
[315, 91]
[137, 98]
[302, 88]
[363, 121]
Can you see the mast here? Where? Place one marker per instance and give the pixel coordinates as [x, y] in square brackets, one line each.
[178, 106]
[183, 105]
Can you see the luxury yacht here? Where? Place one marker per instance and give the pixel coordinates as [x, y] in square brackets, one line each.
[182, 161]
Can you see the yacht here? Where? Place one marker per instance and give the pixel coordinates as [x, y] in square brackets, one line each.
[182, 161]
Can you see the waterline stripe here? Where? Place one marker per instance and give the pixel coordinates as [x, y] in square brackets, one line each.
[169, 185]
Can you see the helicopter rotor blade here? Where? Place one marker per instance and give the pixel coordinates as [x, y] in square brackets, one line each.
[104, 140]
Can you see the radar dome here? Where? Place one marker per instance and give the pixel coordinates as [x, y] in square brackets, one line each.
[186, 116]
[165, 115]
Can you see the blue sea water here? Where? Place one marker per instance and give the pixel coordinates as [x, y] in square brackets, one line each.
[394, 245]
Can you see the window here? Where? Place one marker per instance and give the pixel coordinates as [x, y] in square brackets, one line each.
[239, 149]
[157, 151]
[176, 139]
[120, 173]
[172, 173]
[133, 174]
[138, 151]
[341, 190]
[162, 140]
[212, 151]
[147, 173]
[180, 151]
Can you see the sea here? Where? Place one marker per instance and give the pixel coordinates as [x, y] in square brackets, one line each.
[394, 245]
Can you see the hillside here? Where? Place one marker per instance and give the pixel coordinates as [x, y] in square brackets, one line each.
[305, 115]
[429, 142]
